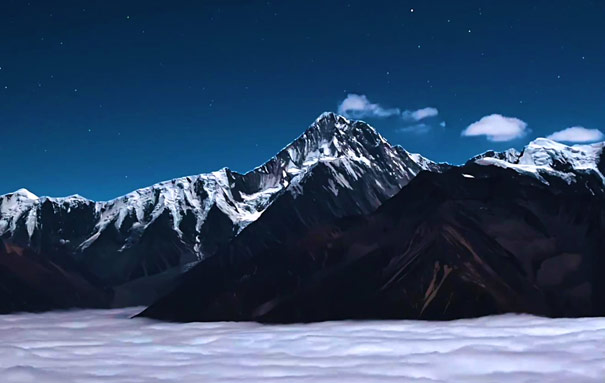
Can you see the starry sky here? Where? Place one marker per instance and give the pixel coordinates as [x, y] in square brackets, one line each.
[102, 97]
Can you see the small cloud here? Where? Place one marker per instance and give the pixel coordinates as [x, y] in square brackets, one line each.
[497, 128]
[577, 134]
[442, 124]
[420, 114]
[358, 106]
[421, 128]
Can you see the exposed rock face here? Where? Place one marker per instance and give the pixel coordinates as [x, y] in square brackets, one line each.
[134, 246]
[507, 232]
[35, 282]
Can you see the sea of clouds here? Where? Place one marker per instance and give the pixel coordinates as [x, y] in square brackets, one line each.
[105, 346]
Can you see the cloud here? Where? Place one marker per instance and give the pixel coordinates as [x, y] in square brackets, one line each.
[420, 114]
[577, 134]
[417, 128]
[497, 128]
[358, 106]
[91, 346]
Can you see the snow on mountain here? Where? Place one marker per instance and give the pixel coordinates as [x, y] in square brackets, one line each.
[180, 221]
[546, 157]
[234, 194]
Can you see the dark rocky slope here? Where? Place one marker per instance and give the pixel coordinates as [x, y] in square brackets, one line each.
[504, 233]
[34, 282]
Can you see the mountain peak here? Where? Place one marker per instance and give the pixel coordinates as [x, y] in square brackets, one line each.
[328, 123]
[548, 153]
[544, 156]
[545, 142]
[327, 116]
[25, 194]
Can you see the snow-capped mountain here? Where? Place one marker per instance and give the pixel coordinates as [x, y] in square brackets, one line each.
[511, 232]
[135, 243]
[543, 158]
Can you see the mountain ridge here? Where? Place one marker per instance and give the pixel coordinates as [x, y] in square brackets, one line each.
[165, 228]
[133, 249]
[473, 240]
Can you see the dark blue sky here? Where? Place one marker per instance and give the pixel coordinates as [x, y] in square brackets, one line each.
[99, 98]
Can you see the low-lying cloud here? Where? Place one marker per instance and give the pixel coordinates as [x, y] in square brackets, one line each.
[577, 134]
[497, 127]
[105, 346]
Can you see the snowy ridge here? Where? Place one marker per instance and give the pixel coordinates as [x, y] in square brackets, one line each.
[349, 148]
[546, 157]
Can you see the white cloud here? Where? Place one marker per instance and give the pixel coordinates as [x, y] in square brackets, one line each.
[420, 114]
[91, 346]
[497, 128]
[577, 134]
[358, 106]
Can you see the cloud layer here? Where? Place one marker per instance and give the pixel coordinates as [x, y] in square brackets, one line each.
[497, 127]
[105, 346]
[577, 134]
[359, 106]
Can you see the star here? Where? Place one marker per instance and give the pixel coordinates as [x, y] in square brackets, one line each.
[411, 10]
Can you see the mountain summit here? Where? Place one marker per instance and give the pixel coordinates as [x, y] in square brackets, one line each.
[546, 158]
[135, 245]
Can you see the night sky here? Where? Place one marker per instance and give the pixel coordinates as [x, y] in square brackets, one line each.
[102, 97]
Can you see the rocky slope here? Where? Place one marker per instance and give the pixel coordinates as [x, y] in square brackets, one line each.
[506, 232]
[134, 246]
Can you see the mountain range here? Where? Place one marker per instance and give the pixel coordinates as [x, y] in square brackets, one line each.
[338, 225]
[129, 250]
